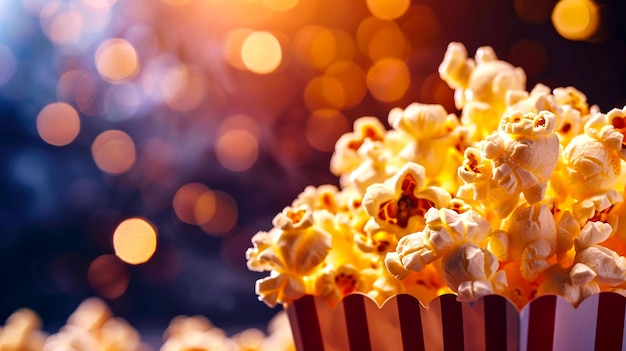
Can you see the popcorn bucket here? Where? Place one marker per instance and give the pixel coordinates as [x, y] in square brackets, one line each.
[548, 322]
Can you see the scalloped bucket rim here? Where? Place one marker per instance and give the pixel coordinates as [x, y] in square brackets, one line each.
[493, 322]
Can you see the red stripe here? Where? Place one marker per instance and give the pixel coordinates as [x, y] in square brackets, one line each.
[495, 322]
[541, 323]
[452, 323]
[610, 323]
[410, 323]
[308, 328]
[356, 320]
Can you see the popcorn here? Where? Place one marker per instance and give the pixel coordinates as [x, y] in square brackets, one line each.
[528, 238]
[520, 194]
[22, 332]
[93, 327]
[399, 204]
[480, 85]
[468, 269]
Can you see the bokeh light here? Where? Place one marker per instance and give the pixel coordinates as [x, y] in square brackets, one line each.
[232, 45]
[135, 241]
[183, 88]
[280, 5]
[186, 201]
[388, 79]
[108, 275]
[261, 52]
[58, 124]
[61, 22]
[224, 219]
[116, 60]
[208, 116]
[114, 152]
[576, 19]
[237, 149]
[388, 9]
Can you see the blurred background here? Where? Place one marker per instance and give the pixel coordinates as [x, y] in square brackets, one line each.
[144, 142]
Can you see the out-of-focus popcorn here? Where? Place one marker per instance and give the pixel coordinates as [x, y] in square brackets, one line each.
[93, 327]
[22, 332]
[520, 194]
[195, 333]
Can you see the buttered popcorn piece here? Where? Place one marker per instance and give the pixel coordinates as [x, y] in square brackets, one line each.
[608, 267]
[525, 151]
[292, 250]
[476, 172]
[481, 85]
[460, 240]
[528, 237]
[434, 139]
[399, 204]
[592, 165]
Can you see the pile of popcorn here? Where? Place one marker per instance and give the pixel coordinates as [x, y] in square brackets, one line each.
[92, 327]
[520, 194]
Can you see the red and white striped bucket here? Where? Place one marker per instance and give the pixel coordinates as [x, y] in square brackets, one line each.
[548, 322]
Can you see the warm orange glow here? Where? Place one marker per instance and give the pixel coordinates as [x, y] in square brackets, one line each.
[240, 121]
[388, 42]
[116, 60]
[261, 52]
[368, 29]
[233, 43]
[280, 5]
[58, 124]
[317, 46]
[324, 91]
[576, 19]
[225, 216]
[205, 207]
[388, 9]
[134, 241]
[422, 28]
[108, 275]
[183, 89]
[435, 91]
[114, 152]
[352, 79]
[237, 149]
[187, 203]
[175, 2]
[324, 127]
[388, 79]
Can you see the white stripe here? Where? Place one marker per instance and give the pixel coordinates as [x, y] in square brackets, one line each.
[474, 325]
[332, 325]
[523, 327]
[383, 325]
[575, 329]
[431, 325]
